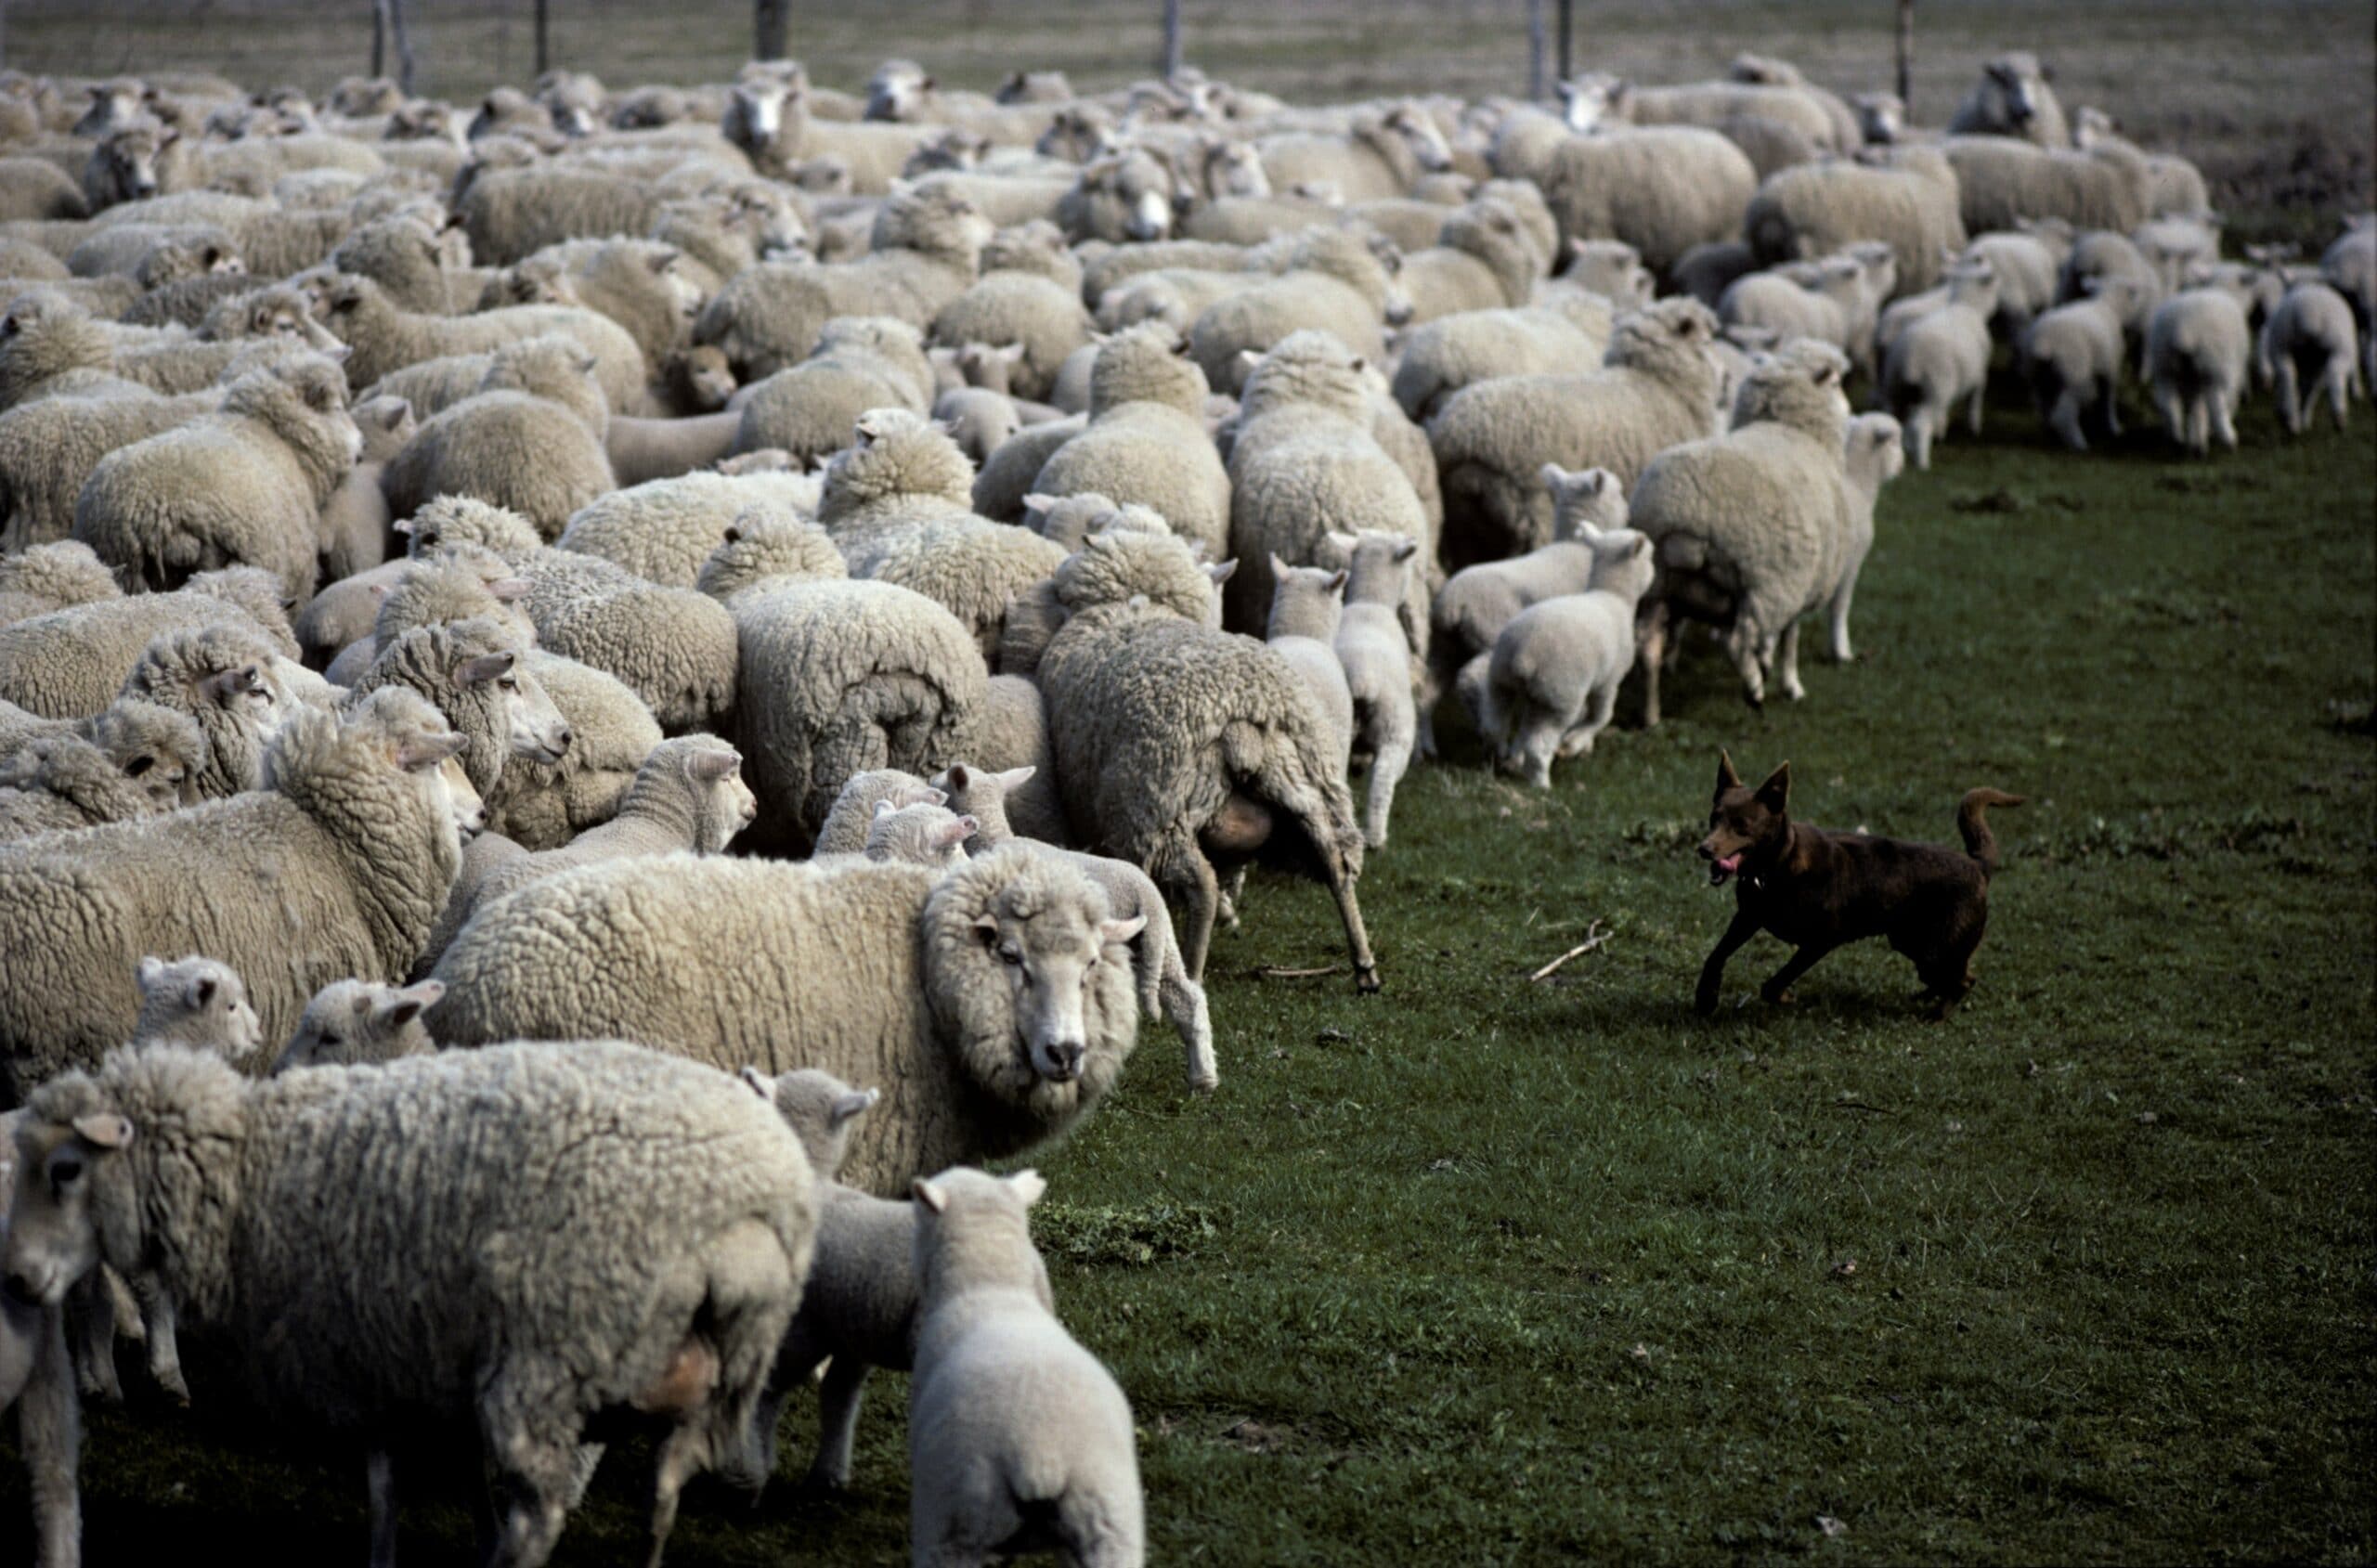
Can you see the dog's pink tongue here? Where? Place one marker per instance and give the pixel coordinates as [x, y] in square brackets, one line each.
[1731, 862]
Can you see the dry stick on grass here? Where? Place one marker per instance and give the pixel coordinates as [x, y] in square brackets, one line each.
[1594, 937]
[1298, 974]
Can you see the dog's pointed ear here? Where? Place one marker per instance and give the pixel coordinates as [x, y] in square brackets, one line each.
[1727, 778]
[1775, 793]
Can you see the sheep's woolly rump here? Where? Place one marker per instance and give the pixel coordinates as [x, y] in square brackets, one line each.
[872, 971]
[1146, 440]
[663, 530]
[337, 870]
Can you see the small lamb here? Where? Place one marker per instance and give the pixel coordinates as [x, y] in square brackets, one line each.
[350, 1023]
[1017, 1436]
[1307, 606]
[197, 1002]
[921, 835]
[1375, 648]
[2197, 347]
[1874, 456]
[1554, 682]
[1942, 358]
[2310, 344]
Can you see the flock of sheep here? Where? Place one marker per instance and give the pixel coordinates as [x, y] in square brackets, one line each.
[434, 539]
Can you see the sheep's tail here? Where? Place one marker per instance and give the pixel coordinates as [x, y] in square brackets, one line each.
[1973, 824]
[753, 1273]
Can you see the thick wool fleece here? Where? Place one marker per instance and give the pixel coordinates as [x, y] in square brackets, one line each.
[515, 1239]
[1146, 440]
[664, 529]
[70, 663]
[335, 871]
[874, 972]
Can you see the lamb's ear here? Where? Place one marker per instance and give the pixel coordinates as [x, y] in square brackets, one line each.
[1406, 550]
[884, 809]
[931, 1196]
[1035, 501]
[1278, 568]
[398, 409]
[662, 259]
[146, 971]
[486, 667]
[759, 1083]
[403, 1010]
[509, 590]
[955, 832]
[1337, 583]
[1775, 793]
[958, 776]
[1553, 476]
[710, 767]
[856, 1103]
[200, 992]
[1248, 360]
[1727, 778]
[1028, 1186]
[1015, 778]
[931, 796]
[420, 753]
[427, 994]
[103, 1130]
[1338, 540]
[1221, 572]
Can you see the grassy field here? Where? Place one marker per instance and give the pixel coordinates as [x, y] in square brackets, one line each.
[2274, 100]
[1489, 1271]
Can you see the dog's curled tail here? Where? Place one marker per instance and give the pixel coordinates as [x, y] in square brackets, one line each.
[1972, 821]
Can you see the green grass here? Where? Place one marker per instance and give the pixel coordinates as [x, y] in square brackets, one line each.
[1489, 1271]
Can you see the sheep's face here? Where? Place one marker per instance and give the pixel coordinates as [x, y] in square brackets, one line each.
[1584, 503]
[897, 92]
[539, 732]
[69, 1179]
[164, 778]
[1418, 131]
[244, 693]
[1624, 564]
[1590, 101]
[355, 1021]
[2016, 79]
[1234, 168]
[130, 157]
[757, 114]
[469, 810]
[207, 994]
[1873, 454]
[726, 804]
[1048, 958]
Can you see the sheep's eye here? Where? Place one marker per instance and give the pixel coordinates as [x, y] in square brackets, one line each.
[1011, 954]
[330, 1043]
[65, 1172]
[508, 684]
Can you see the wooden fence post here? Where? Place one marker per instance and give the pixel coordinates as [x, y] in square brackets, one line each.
[1536, 52]
[544, 38]
[1567, 34]
[1171, 39]
[1906, 58]
[388, 17]
[773, 19]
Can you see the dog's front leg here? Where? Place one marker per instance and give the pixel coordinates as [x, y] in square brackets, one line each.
[1778, 988]
[1712, 974]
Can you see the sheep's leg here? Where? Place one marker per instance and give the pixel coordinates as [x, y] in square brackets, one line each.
[1972, 415]
[1652, 647]
[157, 1316]
[1918, 438]
[2166, 405]
[50, 1430]
[2064, 420]
[2336, 381]
[1789, 674]
[92, 1310]
[675, 1462]
[837, 1404]
[1741, 645]
[1184, 1005]
[1391, 757]
[1233, 894]
[380, 1485]
[1341, 878]
[2220, 408]
[535, 1465]
[2112, 407]
[1200, 895]
[1605, 707]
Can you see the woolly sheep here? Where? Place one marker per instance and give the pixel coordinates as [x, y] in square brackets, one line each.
[357, 1317]
[921, 835]
[2103, 253]
[1476, 603]
[1165, 989]
[641, 284]
[835, 676]
[2197, 345]
[1662, 189]
[1749, 526]
[1375, 649]
[245, 485]
[2012, 98]
[1873, 455]
[198, 1003]
[1656, 388]
[1552, 678]
[2312, 347]
[888, 972]
[529, 441]
[852, 814]
[354, 833]
[1941, 358]
[1440, 357]
[350, 1023]
[861, 362]
[1907, 199]
[381, 339]
[1176, 744]
[1829, 300]
[52, 577]
[926, 247]
[2000, 180]
[475, 673]
[133, 762]
[2349, 265]
[1334, 283]
[1043, 319]
[224, 678]
[2073, 356]
[664, 529]
[408, 259]
[781, 124]
[1379, 155]
[1145, 442]
[1016, 1433]
[37, 1382]
[1307, 604]
[979, 420]
[1482, 260]
[71, 662]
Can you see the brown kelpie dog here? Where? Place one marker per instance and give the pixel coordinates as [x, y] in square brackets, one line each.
[1817, 891]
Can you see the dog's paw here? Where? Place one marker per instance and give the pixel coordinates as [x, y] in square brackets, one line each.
[1782, 998]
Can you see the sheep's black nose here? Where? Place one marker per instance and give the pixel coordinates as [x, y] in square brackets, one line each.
[563, 739]
[21, 1286]
[1069, 1055]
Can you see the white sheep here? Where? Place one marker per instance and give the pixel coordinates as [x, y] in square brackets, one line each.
[1942, 358]
[1552, 684]
[1307, 603]
[444, 1277]
[921, 835]
[2198, 345]
[2072, 356]
[2012, 98]
[1875, 455]
[199, 1003]
[1016, 1433]
[351, 1022]
[1375, 648]
[2312, 347]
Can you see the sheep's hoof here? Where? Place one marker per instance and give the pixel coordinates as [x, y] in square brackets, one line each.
[1365, 980]
[1203, 1086]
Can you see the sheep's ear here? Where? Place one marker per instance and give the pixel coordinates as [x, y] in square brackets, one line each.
[508, 590]
[1222, 572]
[662, 259]
[856, 1103]
[421, 753]
[148, 970]
[485, 668]
[760, 1082]
[1337, 583]
[710, 767]
[884, 809]
[987, 928]
[1038, 502]
[403, 1011]
[1121, 930]
[1339, 539]
[393, 417]
[957, 775]
[200, 992]
[1727, 778]
[930, 796]
[931, 1196]
[1015, 778]
[1248, 360]
[1775, 793]
[955, 832]
[1278, 568]
[103, 1130]
[1028, 1185]
[426, 994]
[1406, 550]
